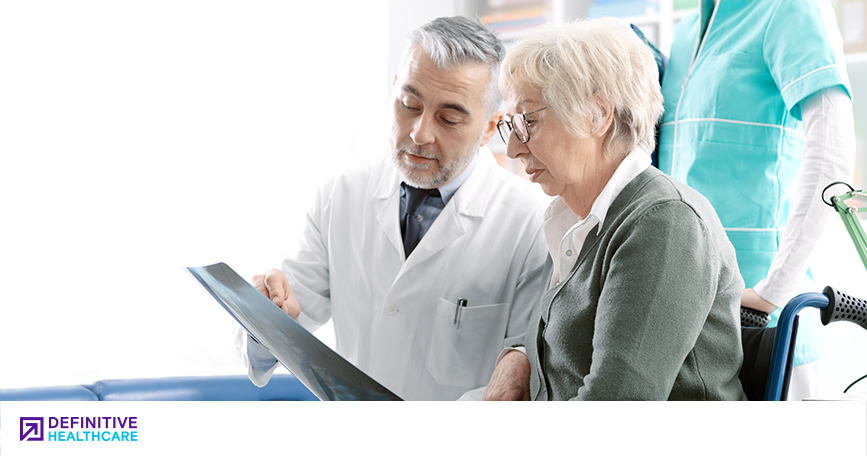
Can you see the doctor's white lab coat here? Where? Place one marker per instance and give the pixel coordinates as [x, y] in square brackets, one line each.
[394, 317]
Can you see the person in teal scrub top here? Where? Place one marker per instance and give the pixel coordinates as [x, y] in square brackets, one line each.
[758, 118]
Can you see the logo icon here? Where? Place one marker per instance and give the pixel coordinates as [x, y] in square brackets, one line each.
[31, 428]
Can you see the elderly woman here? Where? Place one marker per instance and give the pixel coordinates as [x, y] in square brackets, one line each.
[642, 286]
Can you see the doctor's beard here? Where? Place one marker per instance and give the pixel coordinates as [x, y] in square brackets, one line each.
[430, 175]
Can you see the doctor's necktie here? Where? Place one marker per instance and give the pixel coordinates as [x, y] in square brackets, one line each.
[420, 204]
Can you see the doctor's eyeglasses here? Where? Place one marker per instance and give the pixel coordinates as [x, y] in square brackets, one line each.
[518, 123]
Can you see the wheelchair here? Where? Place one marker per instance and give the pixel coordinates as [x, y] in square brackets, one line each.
[768, 352]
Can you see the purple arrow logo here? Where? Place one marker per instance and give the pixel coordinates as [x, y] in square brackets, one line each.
[31, 428]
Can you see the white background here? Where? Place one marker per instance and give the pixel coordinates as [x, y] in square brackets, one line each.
[461, 428]
[140, 137]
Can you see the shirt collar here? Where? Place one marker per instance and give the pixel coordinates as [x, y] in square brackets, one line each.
[634, 164]
[448, 190]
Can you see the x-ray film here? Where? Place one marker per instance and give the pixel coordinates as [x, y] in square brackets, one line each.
[325, 373]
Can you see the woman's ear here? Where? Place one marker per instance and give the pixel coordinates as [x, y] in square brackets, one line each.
[607, 109]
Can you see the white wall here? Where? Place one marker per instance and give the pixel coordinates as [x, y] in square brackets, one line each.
[836, 263]
[403, 17]
[140, 137]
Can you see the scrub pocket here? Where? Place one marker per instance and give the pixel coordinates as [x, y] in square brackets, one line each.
[465, 355]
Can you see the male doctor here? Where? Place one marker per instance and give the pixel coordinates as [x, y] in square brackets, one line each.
[390, 251]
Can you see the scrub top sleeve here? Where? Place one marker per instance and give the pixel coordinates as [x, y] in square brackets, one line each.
[803, 50]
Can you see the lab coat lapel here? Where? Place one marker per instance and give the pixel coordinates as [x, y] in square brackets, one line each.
[468, 202]
[386, 203]
[444, 230]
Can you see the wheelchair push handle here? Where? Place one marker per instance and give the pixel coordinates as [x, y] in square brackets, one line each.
[843, 307]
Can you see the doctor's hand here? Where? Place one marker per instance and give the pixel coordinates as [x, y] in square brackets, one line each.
[511, 379]
[751, 300]
[274, 285]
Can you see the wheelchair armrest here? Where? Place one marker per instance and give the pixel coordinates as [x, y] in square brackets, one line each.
[751, 318]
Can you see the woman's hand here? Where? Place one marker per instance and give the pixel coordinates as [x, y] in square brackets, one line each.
[511, 379]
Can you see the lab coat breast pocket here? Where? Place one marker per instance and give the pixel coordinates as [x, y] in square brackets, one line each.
[464, 355]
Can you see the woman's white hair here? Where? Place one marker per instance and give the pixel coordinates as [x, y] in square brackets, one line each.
[586, 67]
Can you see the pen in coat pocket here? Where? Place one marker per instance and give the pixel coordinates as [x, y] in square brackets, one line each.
[461, 304]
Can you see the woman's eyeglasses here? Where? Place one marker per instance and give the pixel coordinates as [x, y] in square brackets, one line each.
[518, 124]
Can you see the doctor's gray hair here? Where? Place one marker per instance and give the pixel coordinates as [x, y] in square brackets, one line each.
[586, 67]
[455, 41]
